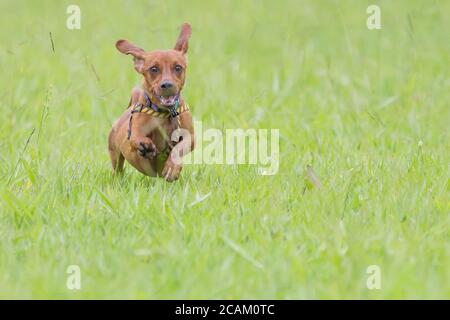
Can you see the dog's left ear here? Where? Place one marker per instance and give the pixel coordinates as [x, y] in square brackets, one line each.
[183, 38]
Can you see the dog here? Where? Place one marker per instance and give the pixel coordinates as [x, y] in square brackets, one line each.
[156, 130]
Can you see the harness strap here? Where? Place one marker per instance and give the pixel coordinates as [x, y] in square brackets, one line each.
[133, 111]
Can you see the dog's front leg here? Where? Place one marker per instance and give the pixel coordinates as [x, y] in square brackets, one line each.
[139, 141]
[174, 163]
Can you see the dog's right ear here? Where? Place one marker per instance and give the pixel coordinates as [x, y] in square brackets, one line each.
[127, 47]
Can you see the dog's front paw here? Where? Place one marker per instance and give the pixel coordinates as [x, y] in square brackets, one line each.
[171, 171]
[146, 149]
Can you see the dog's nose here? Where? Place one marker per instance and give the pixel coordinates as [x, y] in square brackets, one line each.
[166, 85]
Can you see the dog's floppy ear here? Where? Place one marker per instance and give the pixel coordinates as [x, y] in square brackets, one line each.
[127, 47]
[183, 38]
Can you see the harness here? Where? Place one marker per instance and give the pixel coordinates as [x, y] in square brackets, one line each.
[153, 110]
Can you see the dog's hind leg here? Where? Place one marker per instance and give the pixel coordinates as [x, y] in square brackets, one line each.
[117, 159]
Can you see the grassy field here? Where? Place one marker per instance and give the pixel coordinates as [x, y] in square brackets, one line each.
[368, 110]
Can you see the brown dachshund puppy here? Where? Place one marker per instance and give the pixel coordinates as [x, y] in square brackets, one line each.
[156, 130]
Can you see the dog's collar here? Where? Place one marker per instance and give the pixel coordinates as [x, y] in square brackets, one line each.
[153, 110]
[172, 110]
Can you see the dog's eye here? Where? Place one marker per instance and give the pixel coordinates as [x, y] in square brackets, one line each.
[178, 68]
[154, 69]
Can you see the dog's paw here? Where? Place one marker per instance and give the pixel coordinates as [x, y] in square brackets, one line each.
[146, 149]
[171, 171]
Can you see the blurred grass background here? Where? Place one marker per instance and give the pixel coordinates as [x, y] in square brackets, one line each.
[368, 110]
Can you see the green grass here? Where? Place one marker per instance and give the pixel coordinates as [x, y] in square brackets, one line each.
[368, 110]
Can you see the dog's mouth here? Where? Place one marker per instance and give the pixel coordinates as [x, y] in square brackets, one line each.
[168, 101]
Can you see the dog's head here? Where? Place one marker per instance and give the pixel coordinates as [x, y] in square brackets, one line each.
[164, 71]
